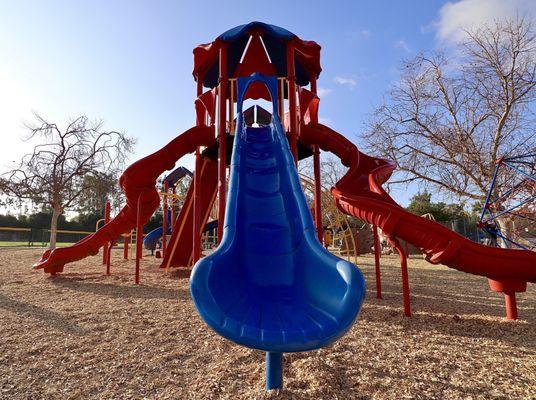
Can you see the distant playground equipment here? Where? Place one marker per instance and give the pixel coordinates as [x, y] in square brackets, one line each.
[509, 217]
[170, 202]
[270, 284]
[344, 241]
[343, 237]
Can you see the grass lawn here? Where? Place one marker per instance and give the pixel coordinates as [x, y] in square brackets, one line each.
[25, 244]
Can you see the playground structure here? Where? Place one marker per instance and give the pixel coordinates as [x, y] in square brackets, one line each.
[263, 61]
[344, 240]
[170, 201]
[515, 207]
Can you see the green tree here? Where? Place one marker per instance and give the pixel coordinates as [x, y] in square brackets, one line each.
[421, 204]
[97, 189]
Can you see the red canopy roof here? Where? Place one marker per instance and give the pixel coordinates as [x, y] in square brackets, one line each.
[275, 39]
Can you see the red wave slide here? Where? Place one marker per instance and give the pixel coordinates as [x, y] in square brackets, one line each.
[137, 182]
[359, 193]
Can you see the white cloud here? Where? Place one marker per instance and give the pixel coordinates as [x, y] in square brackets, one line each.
[402, 45]
[458, 16]
[323, 92]
[366, 33]
[349, 82]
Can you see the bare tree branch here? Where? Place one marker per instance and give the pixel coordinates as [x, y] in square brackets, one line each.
[447, 126]
[55, 173]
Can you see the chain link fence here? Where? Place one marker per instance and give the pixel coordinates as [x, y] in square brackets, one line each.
[37, 237]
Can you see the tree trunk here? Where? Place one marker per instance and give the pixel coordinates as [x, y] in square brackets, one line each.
[56, 212]
[507, 229]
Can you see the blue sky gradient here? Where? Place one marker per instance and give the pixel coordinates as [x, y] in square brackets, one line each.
[129, 62]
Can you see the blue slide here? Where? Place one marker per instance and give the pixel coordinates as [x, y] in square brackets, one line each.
[151, 239]
[271, 285]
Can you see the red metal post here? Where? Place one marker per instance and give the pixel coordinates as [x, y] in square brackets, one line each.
[108, 259]
[126, 239]
[318, 181]
[281, 100]
[318, 194]
[511, 305]
[165, 219]
[291, 79]
[196, 254]
[139, 242]
[405, 279]
[107, 209]
[509, 287]
[377, 262]
[222, 140]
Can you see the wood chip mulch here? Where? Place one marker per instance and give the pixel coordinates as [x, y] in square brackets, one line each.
[85, 335]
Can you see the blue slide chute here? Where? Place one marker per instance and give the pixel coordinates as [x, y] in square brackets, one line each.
[271, 285]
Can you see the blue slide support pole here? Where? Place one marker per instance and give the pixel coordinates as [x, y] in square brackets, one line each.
[274, 370]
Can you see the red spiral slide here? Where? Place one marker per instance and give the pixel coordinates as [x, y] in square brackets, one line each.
[138, 182]
[359, 193]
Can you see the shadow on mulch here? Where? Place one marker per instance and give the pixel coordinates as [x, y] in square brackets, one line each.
[120, 291]
[511, 333]
[51, 318]
[180, 273]
[444, 295]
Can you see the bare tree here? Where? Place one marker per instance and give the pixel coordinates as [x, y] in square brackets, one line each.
[331, 169]
[446, 124]
[55, 173]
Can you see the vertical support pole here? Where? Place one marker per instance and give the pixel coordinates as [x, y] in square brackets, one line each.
[318, 181]
[108, 258]
[274, 370]
[405, 279]
[126, 239]
[281, 100]
[377, 262]
[165, 219]
[196, 253]
[107, 208]
[232, 127]
[511, 305]
[222, 140]
[291, 78]
[318, 194]
[173, 204]
[139, 242]
[405, 283]
[356, 245]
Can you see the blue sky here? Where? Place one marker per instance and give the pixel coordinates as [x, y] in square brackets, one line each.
[129, 62]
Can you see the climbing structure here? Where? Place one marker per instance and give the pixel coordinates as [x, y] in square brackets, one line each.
[509, 214]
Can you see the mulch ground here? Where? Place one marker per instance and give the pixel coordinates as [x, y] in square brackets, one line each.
[91, 336]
